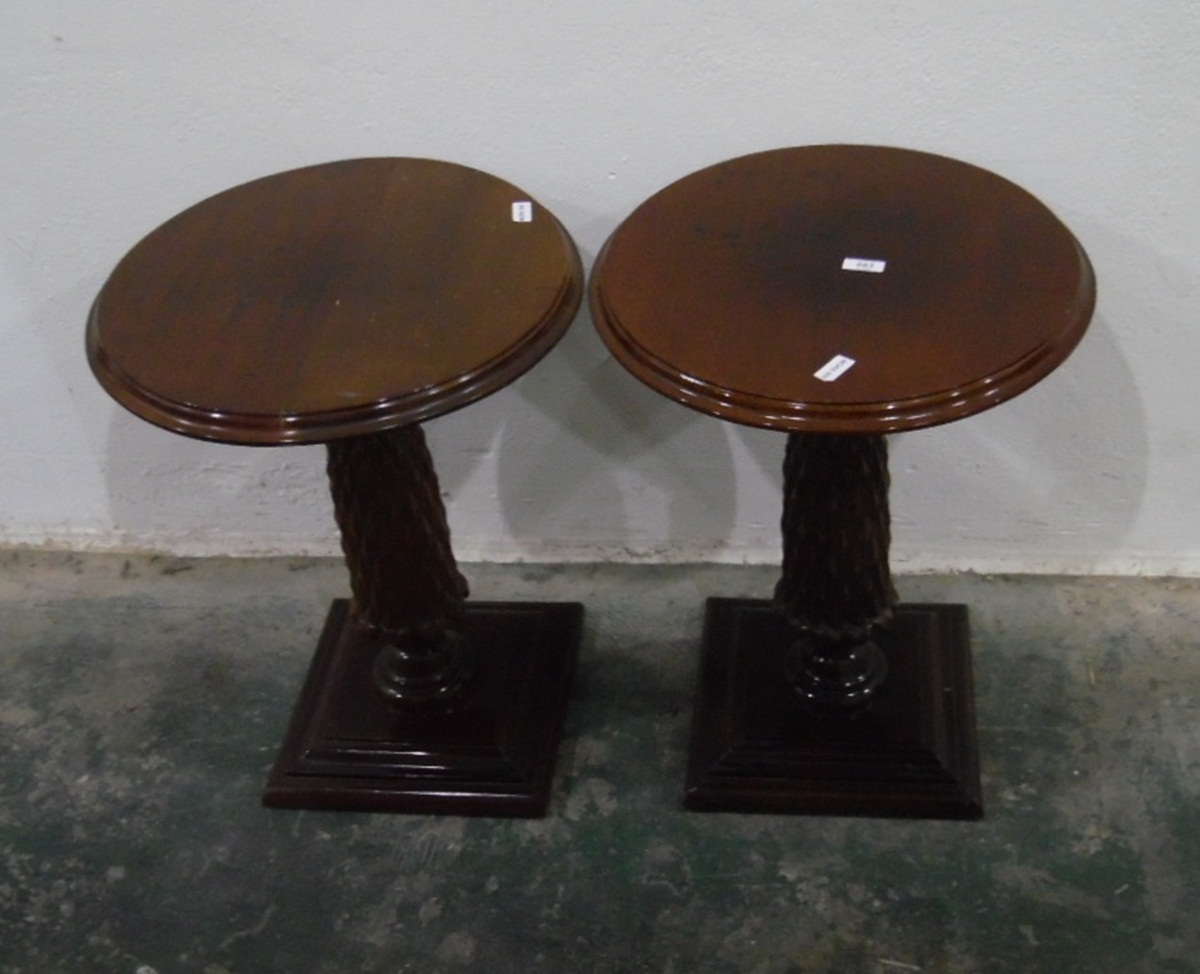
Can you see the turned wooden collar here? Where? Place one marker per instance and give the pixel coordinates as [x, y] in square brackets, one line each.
[334, 300]
[842, 289]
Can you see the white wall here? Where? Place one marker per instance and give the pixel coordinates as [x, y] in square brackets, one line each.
[115, 116]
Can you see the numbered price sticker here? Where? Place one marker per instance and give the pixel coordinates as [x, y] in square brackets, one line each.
[864, 265]
[835, 368]
[522, 211]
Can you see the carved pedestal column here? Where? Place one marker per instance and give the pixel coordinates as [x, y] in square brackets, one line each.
[832, 698]
[408, 592]
[836, 588]
[418, 701]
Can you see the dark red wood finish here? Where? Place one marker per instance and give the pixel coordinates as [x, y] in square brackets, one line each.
[911, 754]
[489, 750]
[725, 291]
[343, 304]
[334, 300]
[946, 290]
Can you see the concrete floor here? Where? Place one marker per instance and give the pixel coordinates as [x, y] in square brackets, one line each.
[142, 701]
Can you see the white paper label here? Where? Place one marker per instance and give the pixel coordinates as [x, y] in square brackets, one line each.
[835, 368]
[522, 211]
[864, 264]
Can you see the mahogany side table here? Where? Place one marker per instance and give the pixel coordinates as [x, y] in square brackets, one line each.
[839, 293]
[343, 304]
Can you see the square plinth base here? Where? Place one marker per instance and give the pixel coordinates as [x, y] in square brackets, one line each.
[911, 753]
[492, 752]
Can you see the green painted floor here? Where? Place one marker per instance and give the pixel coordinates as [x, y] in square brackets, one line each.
[142, 700]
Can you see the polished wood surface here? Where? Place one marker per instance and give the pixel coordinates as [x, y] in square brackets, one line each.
[345, 303]
[491, 751]
[726, 291]
[333, 300]
[835, 586]
[911, 754]
[839, 293]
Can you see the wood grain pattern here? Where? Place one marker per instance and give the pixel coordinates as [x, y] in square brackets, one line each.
[345, 303]
[333, 300]
[725, 291]
[943, 290]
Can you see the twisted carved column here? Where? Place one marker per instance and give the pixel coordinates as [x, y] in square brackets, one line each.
[408, 592]
[836, 587]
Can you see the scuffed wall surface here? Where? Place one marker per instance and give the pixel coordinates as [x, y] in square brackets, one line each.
[115, 118]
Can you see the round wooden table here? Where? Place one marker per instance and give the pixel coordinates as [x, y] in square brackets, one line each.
[344, 304]
[839, 293]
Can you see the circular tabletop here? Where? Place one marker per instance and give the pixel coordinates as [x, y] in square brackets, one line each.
[842, 289]
[334, 300]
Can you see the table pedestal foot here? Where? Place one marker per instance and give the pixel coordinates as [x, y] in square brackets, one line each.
[416, 700]
[911, 752]
[491, 752]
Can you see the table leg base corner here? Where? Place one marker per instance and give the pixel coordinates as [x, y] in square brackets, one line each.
[911, 753]
[491, 752]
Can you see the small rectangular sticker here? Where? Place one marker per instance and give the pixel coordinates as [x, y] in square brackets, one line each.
[522, 212]
[835, 368]
[864, 264]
